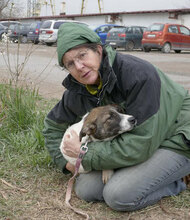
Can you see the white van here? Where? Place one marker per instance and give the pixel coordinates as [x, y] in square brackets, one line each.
[49, 29]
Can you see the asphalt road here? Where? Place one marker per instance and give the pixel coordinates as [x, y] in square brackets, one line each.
[42, 69]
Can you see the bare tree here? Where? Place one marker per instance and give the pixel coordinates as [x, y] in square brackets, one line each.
[10, 9]
[3, 5]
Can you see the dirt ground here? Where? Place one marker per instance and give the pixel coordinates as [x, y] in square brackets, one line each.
[40, 196]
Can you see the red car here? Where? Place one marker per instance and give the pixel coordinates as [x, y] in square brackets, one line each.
[166, 37]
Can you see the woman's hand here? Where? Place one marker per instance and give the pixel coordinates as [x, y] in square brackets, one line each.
[72, 145]
[70, 167]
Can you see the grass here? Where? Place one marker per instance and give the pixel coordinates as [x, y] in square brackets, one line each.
[31, 187]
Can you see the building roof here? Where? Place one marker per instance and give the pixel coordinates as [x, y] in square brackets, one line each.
[174, 12]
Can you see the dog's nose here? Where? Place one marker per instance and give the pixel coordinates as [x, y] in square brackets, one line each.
[132, 120]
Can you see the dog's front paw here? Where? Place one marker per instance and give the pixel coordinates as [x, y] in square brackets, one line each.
[106, 175]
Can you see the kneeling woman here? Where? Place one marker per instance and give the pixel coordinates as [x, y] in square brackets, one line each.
[150, 160]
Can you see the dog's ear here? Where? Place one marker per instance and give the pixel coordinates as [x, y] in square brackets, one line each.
[118, 108]
[87, 130]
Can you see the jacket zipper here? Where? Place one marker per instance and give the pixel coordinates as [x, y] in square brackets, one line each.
[100, 93]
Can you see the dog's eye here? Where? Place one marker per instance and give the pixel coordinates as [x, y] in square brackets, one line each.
[112, 114]
[109, 119]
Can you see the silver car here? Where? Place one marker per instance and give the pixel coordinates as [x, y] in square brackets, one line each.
[49, 29]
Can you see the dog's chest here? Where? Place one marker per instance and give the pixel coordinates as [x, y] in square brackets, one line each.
[76, 127]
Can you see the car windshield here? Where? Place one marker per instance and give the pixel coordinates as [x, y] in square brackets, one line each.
[57, 24]
[2, 27]
[12, 27]
[156, 27]
[46, 25]
[33, 25]
[9, 23]
[117, 29]
[25, 26]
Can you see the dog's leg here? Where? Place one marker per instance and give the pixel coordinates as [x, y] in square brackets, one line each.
[106, 175]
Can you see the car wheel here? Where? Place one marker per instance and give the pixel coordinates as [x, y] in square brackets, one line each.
[36, 42]
[146, 49]
[23, 39]
[177, 51]
[49, 44]
[129, 45]
[166, 48]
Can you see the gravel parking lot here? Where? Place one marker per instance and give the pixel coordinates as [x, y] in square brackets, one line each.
[43, 71]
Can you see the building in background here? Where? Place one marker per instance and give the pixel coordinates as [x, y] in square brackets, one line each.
[122, 12]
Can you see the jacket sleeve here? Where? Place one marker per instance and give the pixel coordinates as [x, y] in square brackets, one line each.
[57, 121]
[55, 125]
[53, 133]
[127, 149]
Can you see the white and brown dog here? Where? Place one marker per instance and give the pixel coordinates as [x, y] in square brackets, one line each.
[100, 124]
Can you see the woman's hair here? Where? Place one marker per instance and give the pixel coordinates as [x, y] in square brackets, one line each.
[92, 46]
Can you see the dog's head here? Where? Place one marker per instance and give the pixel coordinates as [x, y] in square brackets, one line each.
[106, 122]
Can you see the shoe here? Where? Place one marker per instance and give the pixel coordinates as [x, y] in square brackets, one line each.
[186, 180]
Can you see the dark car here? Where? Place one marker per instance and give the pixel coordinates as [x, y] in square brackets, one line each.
[166, 37]
[9, 25]
[3, 30]
[128, 38]
[19, 32]
[102, 30]
[34, 31]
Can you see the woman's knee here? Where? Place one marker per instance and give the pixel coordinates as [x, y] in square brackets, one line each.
[129, 199]
[121, 200]
[89, 187]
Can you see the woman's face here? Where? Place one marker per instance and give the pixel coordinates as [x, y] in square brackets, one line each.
[83, 64]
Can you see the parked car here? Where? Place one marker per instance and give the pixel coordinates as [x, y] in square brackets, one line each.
[34, 31]
[9, 25]
[102, 30]
[19, 32]
[3, 30]
[49, 29]
[128, 38]
[166, 37]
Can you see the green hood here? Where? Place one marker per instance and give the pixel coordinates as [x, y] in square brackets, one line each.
[71, 35]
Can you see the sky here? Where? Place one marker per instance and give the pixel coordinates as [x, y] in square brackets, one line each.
[74, 6]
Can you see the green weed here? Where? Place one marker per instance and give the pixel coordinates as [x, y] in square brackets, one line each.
[19, 107]
[22, 113]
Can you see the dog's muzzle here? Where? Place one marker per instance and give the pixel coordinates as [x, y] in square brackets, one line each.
[132, 120]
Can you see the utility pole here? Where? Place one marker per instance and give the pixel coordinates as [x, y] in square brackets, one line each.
[101, 6]
[29, 8]
[84, 4]
[52, 4]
